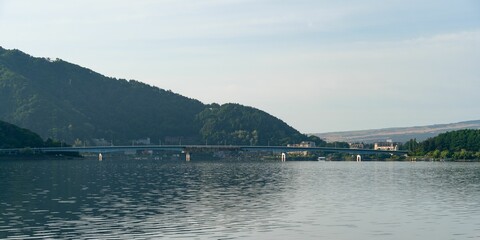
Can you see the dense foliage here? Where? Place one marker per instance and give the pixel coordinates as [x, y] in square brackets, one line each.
[237, 124]
[12, 136]
[66, 102]
[461, 144]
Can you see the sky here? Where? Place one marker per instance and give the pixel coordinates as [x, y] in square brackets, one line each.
[318, 65]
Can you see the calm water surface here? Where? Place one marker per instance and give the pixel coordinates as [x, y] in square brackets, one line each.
[153, 199]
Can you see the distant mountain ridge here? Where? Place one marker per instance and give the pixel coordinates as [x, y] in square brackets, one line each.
[401, 134]
[67, 102]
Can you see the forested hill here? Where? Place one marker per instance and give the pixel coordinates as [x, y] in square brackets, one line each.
[233, 123]
[460, 144]
[66, 102]
[12, 136]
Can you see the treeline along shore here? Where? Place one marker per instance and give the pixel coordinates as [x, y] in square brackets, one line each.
[455, 145]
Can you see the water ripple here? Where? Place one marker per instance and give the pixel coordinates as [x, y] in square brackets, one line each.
[131, 199]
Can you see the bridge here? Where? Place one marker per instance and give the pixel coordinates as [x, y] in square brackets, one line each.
[188, 149]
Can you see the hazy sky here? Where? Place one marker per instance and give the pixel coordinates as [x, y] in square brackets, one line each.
[318, 65]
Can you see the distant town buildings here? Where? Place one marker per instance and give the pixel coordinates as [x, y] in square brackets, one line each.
[304, 144]
[356, 145]
[145, 141]
[101, 142]
[386, 146]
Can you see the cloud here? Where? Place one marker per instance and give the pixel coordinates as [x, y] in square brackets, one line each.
[455, 37]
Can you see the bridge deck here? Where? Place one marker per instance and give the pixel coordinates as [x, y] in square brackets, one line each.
[204, 148]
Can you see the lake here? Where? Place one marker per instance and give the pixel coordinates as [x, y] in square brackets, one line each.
[153, 199]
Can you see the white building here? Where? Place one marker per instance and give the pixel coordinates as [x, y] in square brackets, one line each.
[386, 146]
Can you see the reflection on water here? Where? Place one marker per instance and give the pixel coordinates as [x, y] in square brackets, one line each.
[148, 199]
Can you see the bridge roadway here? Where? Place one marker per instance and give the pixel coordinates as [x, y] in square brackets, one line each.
[205, 148]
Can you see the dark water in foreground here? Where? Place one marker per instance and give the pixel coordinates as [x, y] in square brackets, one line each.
[148, 199]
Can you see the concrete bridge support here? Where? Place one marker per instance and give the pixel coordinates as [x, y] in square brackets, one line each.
[284, 157]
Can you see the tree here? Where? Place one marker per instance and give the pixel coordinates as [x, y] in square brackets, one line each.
[435, 153]
[444, 154]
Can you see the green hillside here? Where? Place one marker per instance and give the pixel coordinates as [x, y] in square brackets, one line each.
[66, 102]
[12, 136]
[460, 144]
[233, 123]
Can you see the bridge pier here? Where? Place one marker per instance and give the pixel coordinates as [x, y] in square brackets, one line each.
[359, 158]
[284, 157]
[187, 156]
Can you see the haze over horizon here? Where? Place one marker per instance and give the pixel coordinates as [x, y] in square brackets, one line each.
[321, 66]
